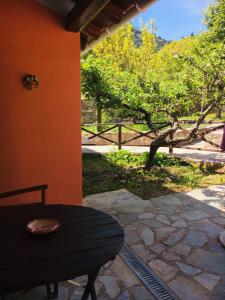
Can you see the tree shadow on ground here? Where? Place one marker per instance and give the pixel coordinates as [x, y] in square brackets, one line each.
[100, 175]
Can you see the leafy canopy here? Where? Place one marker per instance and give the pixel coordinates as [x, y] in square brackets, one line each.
[215, 21]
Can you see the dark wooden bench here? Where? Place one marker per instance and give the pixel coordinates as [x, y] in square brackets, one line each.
[51, 292]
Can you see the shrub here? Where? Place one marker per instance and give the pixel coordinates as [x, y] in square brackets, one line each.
[125, 158]
[122, 157]
[164, 160]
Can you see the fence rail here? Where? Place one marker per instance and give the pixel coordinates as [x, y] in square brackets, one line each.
[150, 135]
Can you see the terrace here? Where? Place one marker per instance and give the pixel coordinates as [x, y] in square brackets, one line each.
[175, 236]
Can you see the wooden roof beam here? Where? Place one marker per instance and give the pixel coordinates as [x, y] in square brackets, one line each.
[93, 30]
[113, 12]
[83, 13]
[83, 41]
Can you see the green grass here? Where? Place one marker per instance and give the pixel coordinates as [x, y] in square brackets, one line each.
[102, 173]
[211, 117]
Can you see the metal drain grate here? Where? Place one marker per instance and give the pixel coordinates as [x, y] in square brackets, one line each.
[156, 287]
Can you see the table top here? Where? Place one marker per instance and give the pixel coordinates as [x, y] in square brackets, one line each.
[86, 239]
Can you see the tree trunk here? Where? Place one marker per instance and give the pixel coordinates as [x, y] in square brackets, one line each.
[151, 156]
[219, 113]
[99, 119]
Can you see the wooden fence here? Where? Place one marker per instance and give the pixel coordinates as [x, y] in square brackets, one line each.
[117, 128]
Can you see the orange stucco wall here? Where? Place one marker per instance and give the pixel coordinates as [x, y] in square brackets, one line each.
[39, 129]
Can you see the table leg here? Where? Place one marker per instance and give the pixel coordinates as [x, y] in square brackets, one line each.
[90, 288]
[52, 290]
[2, 295]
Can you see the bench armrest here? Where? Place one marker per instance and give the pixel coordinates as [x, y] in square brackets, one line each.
[41, 188]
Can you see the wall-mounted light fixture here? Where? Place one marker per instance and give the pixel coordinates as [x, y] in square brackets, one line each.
[31, 81]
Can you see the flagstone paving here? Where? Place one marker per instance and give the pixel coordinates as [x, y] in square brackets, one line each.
[175, 235]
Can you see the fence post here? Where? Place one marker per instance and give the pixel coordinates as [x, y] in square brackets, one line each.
[119, 136]
[171, 146]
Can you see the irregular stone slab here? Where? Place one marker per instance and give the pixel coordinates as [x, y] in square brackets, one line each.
[163, 219]
[63, 292]
[166, 200]
[131, 227]
[175, 237]
[187, 269]
[137, 207]
[219, 221]
[78, 293]
[209, 261]
[127, 218]
[140, 250]
[195, 238]
[158, 248]
[146, 216]
[175, 218]
[219, 293]
[147, 235]
[112, 199]
[205, 195]
[140, 293]
[152, 223]
[166, 210]
[124, 296]
[171, 256]
[195, 215]
[164, 232]
[180, 224]
[165, 271]
[110, 283]
[211, 229]
[187, 289]
[80, 279]
[217, 248]
[124, 273]
[212, 211]
[131, 237]
[150, 257]
[181, 249]
[209, 281]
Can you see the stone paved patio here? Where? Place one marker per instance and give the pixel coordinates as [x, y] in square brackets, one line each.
[175, 235]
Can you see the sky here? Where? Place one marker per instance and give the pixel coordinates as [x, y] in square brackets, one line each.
[176, 18]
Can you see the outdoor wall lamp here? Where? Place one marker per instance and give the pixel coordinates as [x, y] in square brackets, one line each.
[31, 81]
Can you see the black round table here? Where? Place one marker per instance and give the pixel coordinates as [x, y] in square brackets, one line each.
[86, 239]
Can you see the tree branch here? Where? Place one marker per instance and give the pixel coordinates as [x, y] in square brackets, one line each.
[193, 132]
[146, 114]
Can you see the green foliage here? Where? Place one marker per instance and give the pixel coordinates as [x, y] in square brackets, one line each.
[215, 21]
[131, 79]
[122, 157]
[209, 167]
[126, 159]
[191, 179]
[143, 83]
[163, 160]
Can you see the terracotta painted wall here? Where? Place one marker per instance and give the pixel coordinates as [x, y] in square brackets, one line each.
[40, 129]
